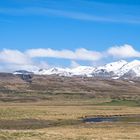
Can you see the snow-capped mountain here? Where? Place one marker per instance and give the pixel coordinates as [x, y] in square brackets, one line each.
[129, 67]
[82, 70]
[78, 71]
[114, 70]
[54, 71]
[109, 69]
[114, 66]
[19, 72]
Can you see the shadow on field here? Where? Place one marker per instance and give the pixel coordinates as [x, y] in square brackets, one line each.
[34, 124]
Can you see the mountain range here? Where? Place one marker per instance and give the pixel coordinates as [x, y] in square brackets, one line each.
[114, 70]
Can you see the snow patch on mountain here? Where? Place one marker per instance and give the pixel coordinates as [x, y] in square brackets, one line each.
[133, 66]
[82, 70]
[114, 66]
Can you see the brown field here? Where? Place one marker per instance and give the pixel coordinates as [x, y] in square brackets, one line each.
[53, 108]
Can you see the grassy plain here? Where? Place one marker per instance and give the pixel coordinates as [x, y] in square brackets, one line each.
[42, 111]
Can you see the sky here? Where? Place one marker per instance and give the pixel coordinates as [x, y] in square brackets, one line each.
[67, 33]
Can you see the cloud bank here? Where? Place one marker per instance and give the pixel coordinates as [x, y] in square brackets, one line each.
[15, 59]
[125, 51]
[78, 54]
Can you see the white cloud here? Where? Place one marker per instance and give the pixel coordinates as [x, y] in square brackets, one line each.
[14, 67]
[13, 57]
[74, 64]
[42, 64]
[78, 54]
[41, 11]
[125, 51]
[30, 59]
[11, 60]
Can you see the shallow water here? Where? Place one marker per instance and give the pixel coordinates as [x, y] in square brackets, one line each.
[131, 119]
[99, 119]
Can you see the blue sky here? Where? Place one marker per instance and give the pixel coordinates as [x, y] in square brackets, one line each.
[60, 32]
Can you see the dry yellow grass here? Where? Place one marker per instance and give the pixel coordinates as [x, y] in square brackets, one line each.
[101, 131]
[61, 128]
